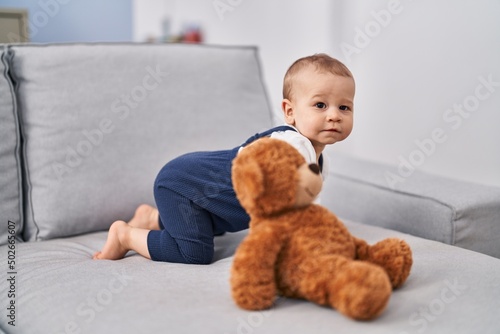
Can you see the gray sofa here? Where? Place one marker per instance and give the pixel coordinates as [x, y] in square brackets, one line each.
[84, 128]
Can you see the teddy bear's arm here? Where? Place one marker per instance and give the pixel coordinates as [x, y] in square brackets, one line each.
[253, 283]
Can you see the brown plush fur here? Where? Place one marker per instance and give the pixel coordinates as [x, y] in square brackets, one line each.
[305, 251]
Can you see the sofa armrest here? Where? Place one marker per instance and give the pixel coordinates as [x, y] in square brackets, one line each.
[429, 206]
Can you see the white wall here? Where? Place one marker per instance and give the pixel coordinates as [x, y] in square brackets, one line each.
[276, 27]
[419, 65]
[410, 68]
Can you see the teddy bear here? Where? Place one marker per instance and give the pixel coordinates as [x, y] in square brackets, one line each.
[298, 249]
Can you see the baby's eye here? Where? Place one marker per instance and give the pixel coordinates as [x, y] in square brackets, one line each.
[320, 105]
[344, 108]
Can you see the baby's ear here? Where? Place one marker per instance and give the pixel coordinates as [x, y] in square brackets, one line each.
[288, 113]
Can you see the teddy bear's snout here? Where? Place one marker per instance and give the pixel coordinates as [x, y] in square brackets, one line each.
[309, 185]
[314, 168]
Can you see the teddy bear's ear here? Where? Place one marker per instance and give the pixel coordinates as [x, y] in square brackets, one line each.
[248, 181]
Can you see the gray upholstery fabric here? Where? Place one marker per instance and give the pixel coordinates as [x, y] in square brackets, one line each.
[433, 207]
[61, 290]
[10, 165]
[99, 121]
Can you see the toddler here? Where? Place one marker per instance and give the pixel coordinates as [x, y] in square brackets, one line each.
[194, 195]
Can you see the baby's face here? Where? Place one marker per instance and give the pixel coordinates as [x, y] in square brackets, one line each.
[321, 107]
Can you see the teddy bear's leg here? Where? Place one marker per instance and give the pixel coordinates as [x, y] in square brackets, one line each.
[360, 290]
[253, 281]
[394, 255]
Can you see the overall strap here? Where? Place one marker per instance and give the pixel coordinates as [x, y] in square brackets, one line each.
[267, 133]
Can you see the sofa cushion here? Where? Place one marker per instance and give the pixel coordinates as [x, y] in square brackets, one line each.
[430, 206]
[10, 176]
[61, 290]
[100, 120]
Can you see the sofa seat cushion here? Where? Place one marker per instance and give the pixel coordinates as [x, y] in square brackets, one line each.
[100, 120]
[61, 290]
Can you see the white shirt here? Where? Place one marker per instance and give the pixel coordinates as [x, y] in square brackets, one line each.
[303, 145]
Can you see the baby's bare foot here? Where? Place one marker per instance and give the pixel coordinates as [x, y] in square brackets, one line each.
[145, 217]
[114, 248]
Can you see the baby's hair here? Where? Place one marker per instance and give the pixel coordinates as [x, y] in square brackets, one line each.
[322, 63]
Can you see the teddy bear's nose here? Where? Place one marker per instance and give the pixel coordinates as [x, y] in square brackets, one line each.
[314, 168]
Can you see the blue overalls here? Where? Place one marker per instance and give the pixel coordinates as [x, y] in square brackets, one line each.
[196, 200]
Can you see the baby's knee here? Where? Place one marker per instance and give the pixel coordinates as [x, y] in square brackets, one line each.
[202, 255]
[164, 248]
[185, 259]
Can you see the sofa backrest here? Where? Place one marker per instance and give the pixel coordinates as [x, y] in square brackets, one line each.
[98, 121]
[430, 206]
[10, 164]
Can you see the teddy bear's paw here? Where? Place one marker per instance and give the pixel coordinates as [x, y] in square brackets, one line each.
[252, 304]
[253, 298]
[360, 290]
[395, 256]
